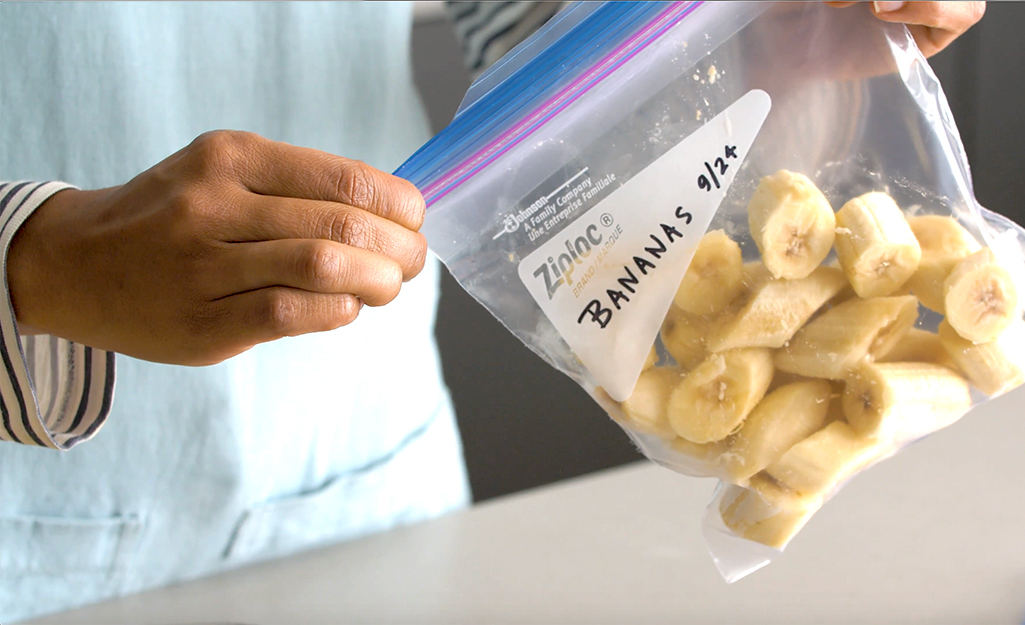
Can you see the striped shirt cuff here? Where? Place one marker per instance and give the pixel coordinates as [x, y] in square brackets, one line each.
[487, 30]
[53, 392]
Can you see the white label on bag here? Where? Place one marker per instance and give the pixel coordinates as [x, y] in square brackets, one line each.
[607, 279]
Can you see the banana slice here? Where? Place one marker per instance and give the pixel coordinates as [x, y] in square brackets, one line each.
[714, 276]
[766, 512]
[698, 458]
[994, 367]
[771, 312]
[944, 243]
[792, 223]
[787, 415]
[672, 315]
[980, 298]
[875, 245]
[645, 410]
[685, 339]
[835, 411]
[713, 400]
[836, 341]
[903, 401]
[920, 346]
[782, 378]
[819, 463]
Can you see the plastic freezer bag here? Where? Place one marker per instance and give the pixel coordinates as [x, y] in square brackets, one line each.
[747, 230]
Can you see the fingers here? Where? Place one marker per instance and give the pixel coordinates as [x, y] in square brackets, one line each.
[269, 314]
[268, 218]
[933, 24]
[278, 169]
[312, 265]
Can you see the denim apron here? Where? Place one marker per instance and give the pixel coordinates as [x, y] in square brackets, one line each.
[295, 443]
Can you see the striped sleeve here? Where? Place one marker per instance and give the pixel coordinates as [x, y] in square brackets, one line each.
[487, 30]
[53, 392]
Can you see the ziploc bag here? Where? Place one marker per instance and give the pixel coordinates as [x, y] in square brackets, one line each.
[747, 230]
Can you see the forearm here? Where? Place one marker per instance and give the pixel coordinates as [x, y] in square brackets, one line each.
[54, 392]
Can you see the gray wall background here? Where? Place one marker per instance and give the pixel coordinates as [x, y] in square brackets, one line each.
[515, 438]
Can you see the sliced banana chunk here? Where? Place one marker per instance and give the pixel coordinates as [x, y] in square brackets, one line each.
[819, 463]
[782, 378]
[772, 311]
[685, 339]
[903, 401]
[875, 245]
[994, 367]
[980, 298]
[792, 223]
[766, 512]
[919, 346]
[784, 417]
[835, 412]
[944, 243]
[714, 277]
[701, 458]
[839, 339]
[645, 410]
[713, 400]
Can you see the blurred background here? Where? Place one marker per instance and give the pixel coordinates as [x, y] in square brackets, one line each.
[515, 438]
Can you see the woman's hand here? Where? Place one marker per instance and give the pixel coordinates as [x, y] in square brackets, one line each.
[933, 24]
[233, 241]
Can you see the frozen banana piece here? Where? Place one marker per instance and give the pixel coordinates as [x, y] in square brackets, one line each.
[875, 245]
[712, 400]
[755, 273]
[835, 411]
[672, 315]
[703, 458]
[766, 512]
[846, 294]
[782, 378]
[994, 367]
[685, 339]
[980, 298]
[903, 401]
[844, 336]
[919, 346]
[944, 243]
[645, 410]
[772, 311]
[714, 277]
[784, 417]
[819, 463]
[792, 224]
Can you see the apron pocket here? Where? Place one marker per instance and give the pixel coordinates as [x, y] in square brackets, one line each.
[58, 546]
[68, 561]
[369, 499]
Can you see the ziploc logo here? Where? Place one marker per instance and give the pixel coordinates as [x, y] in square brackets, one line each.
[558, 271]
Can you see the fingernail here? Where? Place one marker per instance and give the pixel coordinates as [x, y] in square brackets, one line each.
[888, 7]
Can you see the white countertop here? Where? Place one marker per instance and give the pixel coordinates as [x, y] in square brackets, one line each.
[935, 535]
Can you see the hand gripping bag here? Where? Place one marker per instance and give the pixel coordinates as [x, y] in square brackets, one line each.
[747, 230]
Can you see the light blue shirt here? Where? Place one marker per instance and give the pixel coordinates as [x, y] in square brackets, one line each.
[295, 443]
